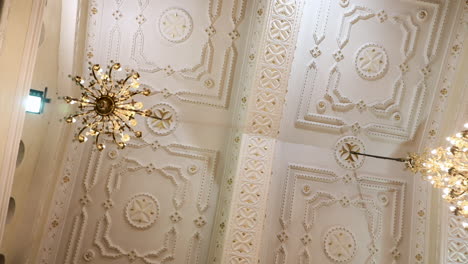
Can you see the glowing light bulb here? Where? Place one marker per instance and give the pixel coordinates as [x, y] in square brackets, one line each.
[82, 138]
[139, 105]
[465, 224]
[125, 137]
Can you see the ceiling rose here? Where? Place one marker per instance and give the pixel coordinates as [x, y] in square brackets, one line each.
[371, 61]
[175, 25]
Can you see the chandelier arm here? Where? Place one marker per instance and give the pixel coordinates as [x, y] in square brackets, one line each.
[93, 71]
[113, 119]
[90, 92]
[96, 142]
[111, 68]
[83, 129]
[79, 81]
[120, 144]
[380, 157]
[140, 112]
[126, 125]
[82, 114]
[126, 79]
[83, 102]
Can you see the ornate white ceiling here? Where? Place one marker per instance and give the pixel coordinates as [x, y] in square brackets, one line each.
[367, 76]
[155, 201]
[252, 89]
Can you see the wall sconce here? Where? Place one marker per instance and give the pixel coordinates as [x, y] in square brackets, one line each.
[35, 102]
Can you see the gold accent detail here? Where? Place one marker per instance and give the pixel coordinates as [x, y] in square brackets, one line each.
[163, 119]
[446, 169]
[345, 152]
[107, 106]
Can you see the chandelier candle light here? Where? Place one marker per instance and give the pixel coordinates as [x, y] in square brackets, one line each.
[445, 168]
[107, 106]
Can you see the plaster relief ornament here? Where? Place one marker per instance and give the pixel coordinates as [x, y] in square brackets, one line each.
[343, 152]
[166, 119]
[142, 210]
[175, 25]
[339, 244]
[371, 61]
[107, 106]
[89, 255]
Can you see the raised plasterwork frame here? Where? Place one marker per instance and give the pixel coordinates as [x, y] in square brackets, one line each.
[264, 112]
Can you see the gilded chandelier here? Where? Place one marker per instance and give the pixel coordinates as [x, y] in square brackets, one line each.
[445, 168]
[107, 107]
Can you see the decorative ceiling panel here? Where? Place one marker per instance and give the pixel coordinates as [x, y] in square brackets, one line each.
[369, 66]
[154, 201]
[366, 77]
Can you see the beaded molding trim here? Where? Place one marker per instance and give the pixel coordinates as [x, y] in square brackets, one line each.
[247, 212]
[270, 85]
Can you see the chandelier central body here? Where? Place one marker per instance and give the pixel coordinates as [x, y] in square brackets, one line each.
[105, 105]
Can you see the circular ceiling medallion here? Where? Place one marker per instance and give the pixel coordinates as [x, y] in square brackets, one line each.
[343, 155]
[142, 210]
[175, 25]
[165, 121]
[371, 61]
[339, 244]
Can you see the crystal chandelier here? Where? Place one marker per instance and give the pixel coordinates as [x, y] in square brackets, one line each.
[107, 107]
[445, 168]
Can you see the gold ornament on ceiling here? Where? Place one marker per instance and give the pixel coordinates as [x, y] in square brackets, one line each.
[107, 106]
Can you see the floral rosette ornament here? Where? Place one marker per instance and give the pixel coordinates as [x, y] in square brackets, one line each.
[107, 106]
